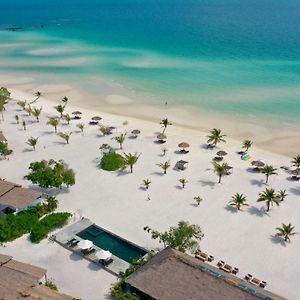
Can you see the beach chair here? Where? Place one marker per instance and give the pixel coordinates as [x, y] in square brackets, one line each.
[235, 271]
[210, 258]
[87, 252]
[105, 263]
[70, 241]
[248, 277]
[220, 263]
[73, 244]
[263, 284]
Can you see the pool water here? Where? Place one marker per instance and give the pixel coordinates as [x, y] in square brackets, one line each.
[114, 244]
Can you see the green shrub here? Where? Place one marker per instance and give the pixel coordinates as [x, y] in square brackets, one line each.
[47, 224]
[112, 161]
[118, 292]
[51, 285]
[14, 226]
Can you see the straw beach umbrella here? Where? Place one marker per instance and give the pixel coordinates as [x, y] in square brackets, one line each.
[85, 244]
[161, 138]
[183, 145]
[258, 163]
[296, 173]
[221, 153]
[135, 132]
[103, 255]
[96, 118]
[77, 112]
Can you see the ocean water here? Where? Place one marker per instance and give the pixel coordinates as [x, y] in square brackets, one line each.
[230, 56]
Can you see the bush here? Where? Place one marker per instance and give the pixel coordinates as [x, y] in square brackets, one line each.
[14, 226]
[112, 161]
[41, 229]
[118, 292]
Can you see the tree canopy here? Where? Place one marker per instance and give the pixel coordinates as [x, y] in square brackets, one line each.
[184, 237]
[50, 174]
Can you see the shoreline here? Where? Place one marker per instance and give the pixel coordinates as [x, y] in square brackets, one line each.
[270, 135]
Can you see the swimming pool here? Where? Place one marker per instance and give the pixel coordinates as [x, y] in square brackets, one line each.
[116, 245]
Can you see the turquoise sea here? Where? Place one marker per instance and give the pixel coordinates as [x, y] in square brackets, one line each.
[229, 56]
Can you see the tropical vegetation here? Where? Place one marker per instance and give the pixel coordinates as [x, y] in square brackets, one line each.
[269, 197]
[32, 142]
[238, 201]
[286, 231]
[268, 170]
[220, 170]
[112, 161]
[215, 137]
[165, 123]
[183, 237]
[165, 166]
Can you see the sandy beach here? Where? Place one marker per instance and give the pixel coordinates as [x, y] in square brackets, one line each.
[116, 202]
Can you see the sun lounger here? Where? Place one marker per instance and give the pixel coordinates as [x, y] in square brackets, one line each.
[211, 258]
[71, 241]
[248, 277]
[73, 244]
[245, 157]
[90, 251]
[235, 271]
[263, 284]
[221, 263]
[106, 262]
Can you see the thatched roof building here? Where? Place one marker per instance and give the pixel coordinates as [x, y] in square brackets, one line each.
[19, 280]
[14, 195]
[172, 275]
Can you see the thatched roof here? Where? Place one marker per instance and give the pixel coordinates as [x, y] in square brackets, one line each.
[4, 259]
[2, 137]
[172, 275]
[14, 195]
[18, 280]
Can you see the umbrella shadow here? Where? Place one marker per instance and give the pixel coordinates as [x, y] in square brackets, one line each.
[75, 257]
[94, 267]
[275, 239]
[257, 212]
[259, 183]
[209, 183]
[295, 191]
[231, 209]
[253, 170]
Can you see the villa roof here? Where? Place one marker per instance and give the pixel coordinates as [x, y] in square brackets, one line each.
[2, 137]
[4, 259]
[16, 196]
[172, 275]
[18, 280]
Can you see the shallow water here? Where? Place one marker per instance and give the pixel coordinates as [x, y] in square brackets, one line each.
[233, 57]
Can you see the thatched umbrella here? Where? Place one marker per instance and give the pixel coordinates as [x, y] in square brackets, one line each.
[96, 118]
[77, 112]
[135, 131]
[296, 172]
[221, 153]
[161, 136]
[183, 145]
[258, 164]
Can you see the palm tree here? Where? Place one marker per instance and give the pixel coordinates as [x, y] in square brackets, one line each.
[3, 102]
[164, 151]
[183, 182]
[146, 183]
[120, 139]
[268, 170]
[67, 118]
[28, 109]
[53, 122]
[22, 104]
[60, 109]
[24, 124]
[17, 119]
[80, 126]
[282, 194]
[296, 161]
[130, 160]
[269, 197]
[38, 94]
[104, 130]
[247, 144]
[32, 142]
[198, 199]
[220, 169]
[165, 123]
[65, 99]
[65, 136]
[215, 137]
[238, 201]
[36, 112]
[286, 230]
[165, 166]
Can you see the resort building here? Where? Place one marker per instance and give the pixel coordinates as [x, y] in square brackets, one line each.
[173, 275]
[15, 198]
[19, 280]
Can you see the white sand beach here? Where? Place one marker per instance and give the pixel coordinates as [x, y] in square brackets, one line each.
[115, 201]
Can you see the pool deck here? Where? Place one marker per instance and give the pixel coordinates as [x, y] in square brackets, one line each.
[118, 265]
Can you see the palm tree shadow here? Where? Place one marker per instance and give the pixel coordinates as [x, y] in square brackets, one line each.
[275, 239]
[158, 173]
[209, 183]
[295, 191]
[231, 209]
[27, 150]
[48, 132]
[259, 183]
[258, 212]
